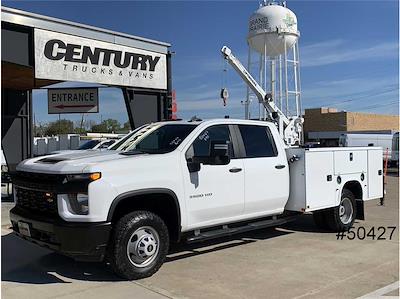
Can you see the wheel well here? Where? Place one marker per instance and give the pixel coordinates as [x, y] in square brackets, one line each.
[162, 204]
[355, 188]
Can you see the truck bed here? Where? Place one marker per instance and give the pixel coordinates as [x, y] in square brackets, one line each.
[320, 174]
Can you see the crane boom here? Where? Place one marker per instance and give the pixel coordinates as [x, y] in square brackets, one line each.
[289, 127]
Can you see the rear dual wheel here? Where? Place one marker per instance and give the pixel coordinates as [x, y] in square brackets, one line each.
[340, 218]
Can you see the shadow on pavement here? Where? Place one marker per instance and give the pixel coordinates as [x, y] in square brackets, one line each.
[23, 262]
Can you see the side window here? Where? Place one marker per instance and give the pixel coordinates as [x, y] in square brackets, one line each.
[201, 145]
[258, 141]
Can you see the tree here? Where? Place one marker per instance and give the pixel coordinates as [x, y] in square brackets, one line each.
[127, 126]
[62, 126]
[40, 130]
[107, 126]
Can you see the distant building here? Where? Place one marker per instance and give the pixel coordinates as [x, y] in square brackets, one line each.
[327, 124]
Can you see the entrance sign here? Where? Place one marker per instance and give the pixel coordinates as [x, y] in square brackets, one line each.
[65, 57]
[73, 100]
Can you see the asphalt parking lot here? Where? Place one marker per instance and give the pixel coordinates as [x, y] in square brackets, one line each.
[292, 261]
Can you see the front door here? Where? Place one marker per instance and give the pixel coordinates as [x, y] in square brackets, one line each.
[216, 192]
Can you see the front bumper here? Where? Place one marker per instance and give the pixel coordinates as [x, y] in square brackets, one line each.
[81, 241]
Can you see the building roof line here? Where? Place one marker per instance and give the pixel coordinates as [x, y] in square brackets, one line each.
[28, 19]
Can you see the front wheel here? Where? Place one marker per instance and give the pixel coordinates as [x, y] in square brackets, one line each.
[139, 245]
[342, 217]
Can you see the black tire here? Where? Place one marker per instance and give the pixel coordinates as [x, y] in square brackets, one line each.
[320, 219]
[334, 219]
[126, 231]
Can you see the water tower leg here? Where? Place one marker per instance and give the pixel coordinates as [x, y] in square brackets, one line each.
[296, 92]
[280, 82]
[247, 102]
[273, 80]
[286, 79]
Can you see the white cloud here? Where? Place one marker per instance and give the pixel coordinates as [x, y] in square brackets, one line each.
[340, 51]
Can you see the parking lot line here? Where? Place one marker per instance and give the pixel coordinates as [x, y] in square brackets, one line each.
[382, 291]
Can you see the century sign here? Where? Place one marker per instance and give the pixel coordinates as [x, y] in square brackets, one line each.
[73, 100]
[66, 57]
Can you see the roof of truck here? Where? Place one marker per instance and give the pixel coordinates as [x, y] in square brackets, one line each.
[211, 121]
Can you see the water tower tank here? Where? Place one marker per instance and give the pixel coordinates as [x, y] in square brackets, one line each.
[270, 28]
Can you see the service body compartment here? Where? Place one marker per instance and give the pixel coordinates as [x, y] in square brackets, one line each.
[375, 174]
[351, 160]
[312, 183]
[313, 178]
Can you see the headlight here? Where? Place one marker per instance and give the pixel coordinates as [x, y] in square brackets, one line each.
[83, 177]
[78, 203]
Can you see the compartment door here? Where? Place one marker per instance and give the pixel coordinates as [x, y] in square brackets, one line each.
[350, 161]
[320, 180]
[375, 174]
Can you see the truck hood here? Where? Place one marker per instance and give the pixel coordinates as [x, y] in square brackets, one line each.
[70, 162]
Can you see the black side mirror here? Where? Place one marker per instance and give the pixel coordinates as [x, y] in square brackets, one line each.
[219, 154]
[193, 166]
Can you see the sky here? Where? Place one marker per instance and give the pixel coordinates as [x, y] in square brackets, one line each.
[348, 51]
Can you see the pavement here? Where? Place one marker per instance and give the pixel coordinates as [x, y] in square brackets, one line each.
[292, 261]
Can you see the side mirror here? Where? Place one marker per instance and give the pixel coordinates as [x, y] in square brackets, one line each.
[219, 154]
[193, 166]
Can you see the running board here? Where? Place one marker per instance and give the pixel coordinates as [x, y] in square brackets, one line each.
[228, 231]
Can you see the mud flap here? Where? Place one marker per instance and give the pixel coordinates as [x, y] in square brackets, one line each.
[360, 210]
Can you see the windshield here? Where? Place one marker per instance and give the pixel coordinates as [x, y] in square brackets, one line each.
[123, 140]
[157, 139]
[89, 145]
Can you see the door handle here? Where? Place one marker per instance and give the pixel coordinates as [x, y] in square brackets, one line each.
[279, 166]
[235, 169]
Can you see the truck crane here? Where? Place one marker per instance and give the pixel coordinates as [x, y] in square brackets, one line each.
[290, 128]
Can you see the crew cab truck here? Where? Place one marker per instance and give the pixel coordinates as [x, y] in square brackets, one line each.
[186, 181]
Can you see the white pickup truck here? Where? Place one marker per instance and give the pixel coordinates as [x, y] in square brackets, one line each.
[186, 181]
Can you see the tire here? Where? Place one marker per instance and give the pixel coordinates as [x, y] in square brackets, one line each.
[138, 246]
[342, 217]
[320, 219]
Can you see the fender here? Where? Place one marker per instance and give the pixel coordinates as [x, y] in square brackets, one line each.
[128, 194]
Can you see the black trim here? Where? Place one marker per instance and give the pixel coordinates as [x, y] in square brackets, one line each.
[83, 241]
[127, 99]
[147, 191]
[240, 143]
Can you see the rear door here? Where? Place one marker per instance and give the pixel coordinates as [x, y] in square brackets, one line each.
[266, 171]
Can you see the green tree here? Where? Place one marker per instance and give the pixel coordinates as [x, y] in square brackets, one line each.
[99, 128]
[62, 126]
[127, 126]
[107, 126]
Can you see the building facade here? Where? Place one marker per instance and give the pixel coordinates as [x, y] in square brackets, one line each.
[38, 51]
[327, 124]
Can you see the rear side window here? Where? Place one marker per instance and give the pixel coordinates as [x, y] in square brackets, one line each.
[258, 141]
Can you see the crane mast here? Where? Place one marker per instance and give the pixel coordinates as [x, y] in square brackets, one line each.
[290, 128]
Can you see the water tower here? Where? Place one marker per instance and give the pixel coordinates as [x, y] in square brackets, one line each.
[273, 59]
